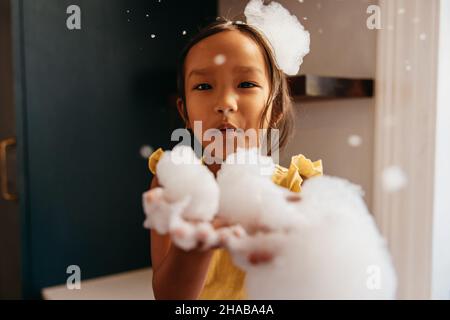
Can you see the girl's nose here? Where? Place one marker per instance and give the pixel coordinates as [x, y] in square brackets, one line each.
[227, 105]
[225, 110]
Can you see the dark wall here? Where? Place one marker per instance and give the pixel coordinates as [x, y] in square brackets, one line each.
[86, 101]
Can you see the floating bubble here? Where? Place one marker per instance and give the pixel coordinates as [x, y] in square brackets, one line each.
[394, 179]
[219, 59]
[146, 151]
[354, 140]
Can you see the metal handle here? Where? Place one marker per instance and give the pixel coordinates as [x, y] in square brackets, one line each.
[4, 170]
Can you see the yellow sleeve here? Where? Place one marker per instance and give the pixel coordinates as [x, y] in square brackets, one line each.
[153, 159]
[299, 169]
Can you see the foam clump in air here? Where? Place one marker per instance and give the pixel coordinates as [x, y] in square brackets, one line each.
[289, 40]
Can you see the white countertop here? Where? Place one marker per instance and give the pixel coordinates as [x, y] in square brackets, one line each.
[131, 285]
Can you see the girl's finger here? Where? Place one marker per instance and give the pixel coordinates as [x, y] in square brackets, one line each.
[154, 194]
[260, 257]
[178, 232]
[218, 223]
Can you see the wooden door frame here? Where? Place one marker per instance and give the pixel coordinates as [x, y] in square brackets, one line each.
[405, 136]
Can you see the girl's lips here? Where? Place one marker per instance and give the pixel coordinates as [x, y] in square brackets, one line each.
[226, 126]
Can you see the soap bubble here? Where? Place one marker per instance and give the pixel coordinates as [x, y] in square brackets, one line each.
[219, 59]
[146, 151]
[394, 179]
[354, 140]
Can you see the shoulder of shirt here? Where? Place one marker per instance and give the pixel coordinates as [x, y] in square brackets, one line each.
[299, 169]
[154, 158]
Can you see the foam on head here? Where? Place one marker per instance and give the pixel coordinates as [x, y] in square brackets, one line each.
[289, 39]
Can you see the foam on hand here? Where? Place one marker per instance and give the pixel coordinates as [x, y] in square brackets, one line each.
[188, 197]
[262, 204]
[181, 174]
[324, 242]
[289, 39]
[334, 252]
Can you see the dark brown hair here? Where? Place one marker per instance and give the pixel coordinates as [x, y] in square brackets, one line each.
[281, 117]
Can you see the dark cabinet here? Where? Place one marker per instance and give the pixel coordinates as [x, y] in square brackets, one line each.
[86, 101]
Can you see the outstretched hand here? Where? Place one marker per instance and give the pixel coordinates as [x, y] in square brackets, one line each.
[200, 235]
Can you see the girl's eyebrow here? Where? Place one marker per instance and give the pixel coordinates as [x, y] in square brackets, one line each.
[200, 72]
[247, 69]
[243, 69]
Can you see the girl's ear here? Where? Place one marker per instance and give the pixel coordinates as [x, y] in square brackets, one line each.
[181, 111]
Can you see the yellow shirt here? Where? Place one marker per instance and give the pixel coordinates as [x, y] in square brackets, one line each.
[224, 280]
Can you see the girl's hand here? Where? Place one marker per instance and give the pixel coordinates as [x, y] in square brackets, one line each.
[166, 217]
[258, 249]
[159, 211]
[193, 235]
[259, 257]
[203, 236]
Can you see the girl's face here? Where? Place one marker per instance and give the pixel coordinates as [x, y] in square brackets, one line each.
[226, 81]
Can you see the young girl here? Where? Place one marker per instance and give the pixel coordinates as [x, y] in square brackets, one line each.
[227, 77]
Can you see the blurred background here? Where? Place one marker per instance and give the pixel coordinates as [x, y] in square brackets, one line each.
[82, 109]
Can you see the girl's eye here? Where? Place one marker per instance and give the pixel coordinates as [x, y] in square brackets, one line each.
[247, 84]
[202, 86]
